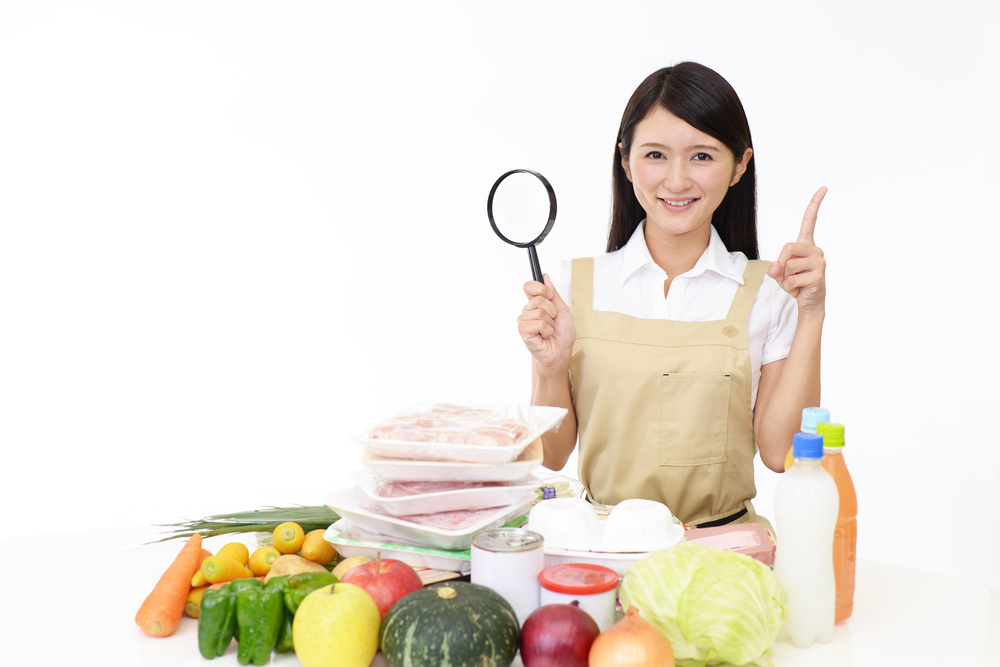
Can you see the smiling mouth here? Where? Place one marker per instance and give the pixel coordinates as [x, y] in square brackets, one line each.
[679, 203]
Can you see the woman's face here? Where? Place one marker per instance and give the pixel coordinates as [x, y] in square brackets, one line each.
[680, 176]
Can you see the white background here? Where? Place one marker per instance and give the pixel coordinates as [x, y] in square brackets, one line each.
[234, 233]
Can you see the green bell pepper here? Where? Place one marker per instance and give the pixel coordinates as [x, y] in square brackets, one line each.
[218, 628]
[237, 585]
[302, 584]
[216, 622]
[285, 642]
[260, 615]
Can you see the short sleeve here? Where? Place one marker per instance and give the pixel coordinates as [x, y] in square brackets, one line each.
[784, 316]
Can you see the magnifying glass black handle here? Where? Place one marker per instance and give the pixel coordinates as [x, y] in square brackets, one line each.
[536, 270]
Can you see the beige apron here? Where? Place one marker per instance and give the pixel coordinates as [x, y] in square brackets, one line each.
[663, 407]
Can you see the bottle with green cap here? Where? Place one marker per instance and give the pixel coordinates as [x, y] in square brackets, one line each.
[845, 537]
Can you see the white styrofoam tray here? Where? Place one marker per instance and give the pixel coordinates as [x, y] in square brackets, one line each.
[539, 419]
[404, 470]
[351, 540]
[472, 498]
[353, 504]
[620, 563]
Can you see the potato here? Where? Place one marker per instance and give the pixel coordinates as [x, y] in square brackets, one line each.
[345, 565]
[292, 564]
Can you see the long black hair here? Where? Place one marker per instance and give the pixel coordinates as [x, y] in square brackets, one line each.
[699, 96]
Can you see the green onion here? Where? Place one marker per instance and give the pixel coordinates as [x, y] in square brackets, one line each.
[254, 521]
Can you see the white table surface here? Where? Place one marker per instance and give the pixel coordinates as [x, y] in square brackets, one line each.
[77, 604]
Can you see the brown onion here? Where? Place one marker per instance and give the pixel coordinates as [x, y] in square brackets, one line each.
[558, 635]
[631, 642]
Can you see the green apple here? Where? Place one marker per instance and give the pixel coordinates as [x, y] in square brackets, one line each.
[336, 626]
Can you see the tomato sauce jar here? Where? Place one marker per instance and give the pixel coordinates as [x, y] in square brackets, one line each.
[594, 587]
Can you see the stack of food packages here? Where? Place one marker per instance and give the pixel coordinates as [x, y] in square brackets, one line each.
[435, 474]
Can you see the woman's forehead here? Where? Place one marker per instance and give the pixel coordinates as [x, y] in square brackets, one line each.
[662, 129]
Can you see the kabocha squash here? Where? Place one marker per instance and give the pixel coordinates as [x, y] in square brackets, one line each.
[455, 623]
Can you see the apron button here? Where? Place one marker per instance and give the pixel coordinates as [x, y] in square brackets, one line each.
[729, 331]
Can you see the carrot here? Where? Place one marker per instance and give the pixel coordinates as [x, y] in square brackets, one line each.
[288, 537]
[237, 551]
[193, 605]
[223, 568]
[161, 612]
[262, 559]
[317, 549]
[198, 579]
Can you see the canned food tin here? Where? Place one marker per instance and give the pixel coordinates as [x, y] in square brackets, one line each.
[509, 560]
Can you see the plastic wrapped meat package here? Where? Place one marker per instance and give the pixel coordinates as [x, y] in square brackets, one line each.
[752, 539]
[407, 498]
[406, 470]
[450, 531]
[486, 434]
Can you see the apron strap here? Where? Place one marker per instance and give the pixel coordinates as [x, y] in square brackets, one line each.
[582, 290]
[746, 294]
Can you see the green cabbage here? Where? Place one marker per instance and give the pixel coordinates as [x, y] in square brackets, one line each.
[712, 605]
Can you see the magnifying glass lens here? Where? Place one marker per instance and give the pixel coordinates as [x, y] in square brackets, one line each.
[521, 207]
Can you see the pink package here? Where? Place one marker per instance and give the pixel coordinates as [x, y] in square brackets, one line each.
[751, 539]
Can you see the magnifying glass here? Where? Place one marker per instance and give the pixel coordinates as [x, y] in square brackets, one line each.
[523, 205]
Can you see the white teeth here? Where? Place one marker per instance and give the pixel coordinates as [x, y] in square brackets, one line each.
[679, 203]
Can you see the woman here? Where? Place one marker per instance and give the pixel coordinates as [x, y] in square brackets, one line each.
[678, 354]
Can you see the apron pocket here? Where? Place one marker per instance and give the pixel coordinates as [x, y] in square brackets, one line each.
[694, 418]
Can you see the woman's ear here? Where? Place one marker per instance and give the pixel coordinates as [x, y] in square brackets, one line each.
[628, 172]
[741, 166]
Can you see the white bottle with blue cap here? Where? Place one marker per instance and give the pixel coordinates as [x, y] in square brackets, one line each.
[805, 513]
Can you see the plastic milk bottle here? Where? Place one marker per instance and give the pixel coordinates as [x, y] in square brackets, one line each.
[845, 538]
[805, 511]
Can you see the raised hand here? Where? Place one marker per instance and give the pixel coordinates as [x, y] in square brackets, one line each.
[800, 268]
[546, 326]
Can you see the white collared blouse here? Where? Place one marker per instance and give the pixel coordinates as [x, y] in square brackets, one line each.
[628, 281]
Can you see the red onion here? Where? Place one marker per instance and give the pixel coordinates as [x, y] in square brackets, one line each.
[558, 635]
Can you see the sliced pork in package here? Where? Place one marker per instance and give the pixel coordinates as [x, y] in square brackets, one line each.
[406, 498]
[487, 434]
[441, 530]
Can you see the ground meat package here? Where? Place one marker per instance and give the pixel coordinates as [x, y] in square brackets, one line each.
[484, 434]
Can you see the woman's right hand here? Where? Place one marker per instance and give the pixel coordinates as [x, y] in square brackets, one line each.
[546, 326]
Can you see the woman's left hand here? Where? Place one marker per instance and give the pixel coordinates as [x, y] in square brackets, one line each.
[800, 268]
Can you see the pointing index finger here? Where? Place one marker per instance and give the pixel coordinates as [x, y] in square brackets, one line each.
[809, 219]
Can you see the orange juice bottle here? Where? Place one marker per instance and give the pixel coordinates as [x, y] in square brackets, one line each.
[845, 537]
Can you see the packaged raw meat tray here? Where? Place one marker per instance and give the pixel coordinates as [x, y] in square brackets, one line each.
[492, 434]
[405, 498]
[451, 531]
[402, 470]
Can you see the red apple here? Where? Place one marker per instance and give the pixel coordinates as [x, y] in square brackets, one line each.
[385, 580]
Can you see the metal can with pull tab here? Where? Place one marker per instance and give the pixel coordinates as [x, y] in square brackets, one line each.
[509, 560]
